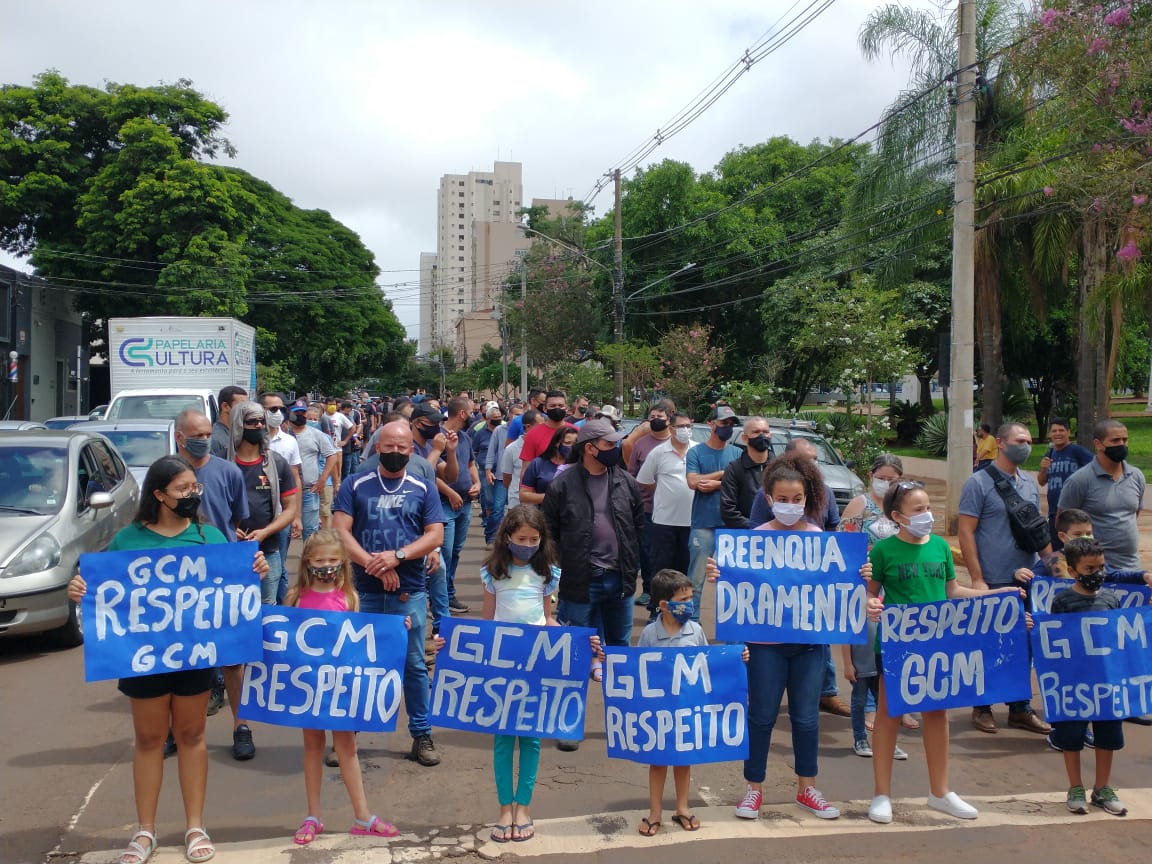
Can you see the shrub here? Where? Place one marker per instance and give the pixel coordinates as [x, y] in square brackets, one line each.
[933, 435]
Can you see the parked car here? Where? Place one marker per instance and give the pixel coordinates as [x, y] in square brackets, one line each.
[139, 442]
[65, 421]
[20, 425]
[62, 493]
[838, 474]
[98, 412]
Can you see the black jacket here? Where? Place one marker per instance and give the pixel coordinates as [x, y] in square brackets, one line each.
[741, 483]
[568, 511]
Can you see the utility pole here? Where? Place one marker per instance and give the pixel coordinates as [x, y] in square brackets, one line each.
[523, 330]
[960, 420]
[618, 296]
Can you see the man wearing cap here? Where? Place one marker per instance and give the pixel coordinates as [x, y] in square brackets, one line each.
[317, 463]
[704, 467]
[595, 514]
[610, 413]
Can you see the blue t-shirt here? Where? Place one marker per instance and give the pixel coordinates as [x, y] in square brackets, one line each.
[1065, 463]
[224, 502]
[996, 548]
[702, 459]
[539, 473]
[388, 513]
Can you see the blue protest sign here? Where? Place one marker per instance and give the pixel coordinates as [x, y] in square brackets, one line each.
[676, 706]
[1043, 589]
[148, 611]
[512, 679]
[1094, 665]
[955, 653]
[791, 586]
[327, 670]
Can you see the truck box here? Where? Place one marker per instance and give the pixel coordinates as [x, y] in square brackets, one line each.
[180, 352]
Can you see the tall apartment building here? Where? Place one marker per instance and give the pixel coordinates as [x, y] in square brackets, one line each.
[463, 280]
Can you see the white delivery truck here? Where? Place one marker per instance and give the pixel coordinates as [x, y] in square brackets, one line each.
[160, 366]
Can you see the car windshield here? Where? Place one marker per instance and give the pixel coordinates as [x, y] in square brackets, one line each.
[140, 448]
[33, 479]
[824, 453]
[153, 407]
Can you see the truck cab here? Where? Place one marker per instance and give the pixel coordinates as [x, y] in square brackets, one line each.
[160, 403]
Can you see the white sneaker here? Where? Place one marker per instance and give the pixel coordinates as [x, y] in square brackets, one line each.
[899, 755]
[953, 805]
[881, 809]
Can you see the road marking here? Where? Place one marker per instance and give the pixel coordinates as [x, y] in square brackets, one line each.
[597, 833]
[75, 820]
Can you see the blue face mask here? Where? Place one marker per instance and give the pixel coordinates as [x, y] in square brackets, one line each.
[315, 424]
[681, 610]
[522, 552]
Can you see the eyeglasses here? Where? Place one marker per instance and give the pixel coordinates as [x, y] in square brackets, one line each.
[194, 489]
[255, 423]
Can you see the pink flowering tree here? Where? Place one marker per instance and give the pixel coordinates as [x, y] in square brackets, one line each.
[689, 361]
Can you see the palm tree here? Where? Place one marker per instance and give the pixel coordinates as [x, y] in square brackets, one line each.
[914, 149]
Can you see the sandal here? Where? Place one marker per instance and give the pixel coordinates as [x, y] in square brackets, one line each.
[373, 828]
[687, 821]
[518, 832]
[652, 827]
[331, 759]
[870, 721]
[202, 844]
[308, 831]
[501, 833]
[137, 852]
[909, 722]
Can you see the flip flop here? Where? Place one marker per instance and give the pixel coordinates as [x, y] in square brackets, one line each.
[308, 831]
[652, 827]
[687, 821]
[373, 828]
[504, 835]
[909, 722]
[135, 849]
[202, 843]
[519, 837]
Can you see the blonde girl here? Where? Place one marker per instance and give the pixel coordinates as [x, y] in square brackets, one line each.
[325, 583]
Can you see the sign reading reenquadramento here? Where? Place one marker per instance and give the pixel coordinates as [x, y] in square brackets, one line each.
[148, 611]
[512, 679]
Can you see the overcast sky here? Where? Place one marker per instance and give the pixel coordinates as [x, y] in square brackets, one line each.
[359, 107]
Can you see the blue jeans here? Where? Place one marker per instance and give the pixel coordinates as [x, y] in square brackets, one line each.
[310, 513]
[701, 543]
[350, 465]
[496, 513]
[416, 690]
[270, 583]
[455, 533]
[285, 537]
[772, 671]
[438, 595]
[607, 609]
[485, 500]
[828, 687]
[861, 690]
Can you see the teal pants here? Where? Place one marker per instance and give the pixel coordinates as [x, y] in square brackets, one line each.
[502, 752]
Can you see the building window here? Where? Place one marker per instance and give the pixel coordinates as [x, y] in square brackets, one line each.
[460, 248]
[461, 236]
[461, 258]
[461, 182]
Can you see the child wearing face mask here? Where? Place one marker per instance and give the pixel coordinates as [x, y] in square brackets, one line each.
[673, 627]
[1085, 558]
[914, 566]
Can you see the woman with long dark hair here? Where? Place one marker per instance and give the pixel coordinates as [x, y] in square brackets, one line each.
[168, 517]
[542, 470]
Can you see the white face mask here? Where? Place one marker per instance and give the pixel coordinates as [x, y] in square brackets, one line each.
[787, 514]
[880, 487]
[275, 419]
[920, 525]
[683, 435]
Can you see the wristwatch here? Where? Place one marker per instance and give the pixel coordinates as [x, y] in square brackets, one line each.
[400, 554]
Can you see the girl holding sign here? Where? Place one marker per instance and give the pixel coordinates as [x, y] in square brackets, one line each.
[167, 518]
[914, 566]
[325, 583]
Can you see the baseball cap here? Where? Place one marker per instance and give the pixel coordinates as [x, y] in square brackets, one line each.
[611, 412]
[423, 410]
[298, 406]
[488, 406]
[595, 429]
[492, 408]
[723, 412]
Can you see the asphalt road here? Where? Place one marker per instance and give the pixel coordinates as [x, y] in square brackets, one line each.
[66, 791]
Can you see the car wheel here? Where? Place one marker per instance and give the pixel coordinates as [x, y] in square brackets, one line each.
[71, 634]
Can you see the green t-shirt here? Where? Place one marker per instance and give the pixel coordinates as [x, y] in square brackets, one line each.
[137, 536]
[912, 573]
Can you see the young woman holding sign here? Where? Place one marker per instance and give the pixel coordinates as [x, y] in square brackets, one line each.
[167, 518]
[914, 566]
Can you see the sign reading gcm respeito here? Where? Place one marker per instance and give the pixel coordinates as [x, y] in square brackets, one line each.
[201, 353]
[166, 610]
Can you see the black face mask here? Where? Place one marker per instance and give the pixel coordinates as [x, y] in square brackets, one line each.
[658, 424]
[1091, 581]
[254, 436]
[1117, 452]
[187, 508]
[428, 432]
[393, 462]
[759, 443]
[298, 419]
[556, 415]
[609, 458]
[495, 422]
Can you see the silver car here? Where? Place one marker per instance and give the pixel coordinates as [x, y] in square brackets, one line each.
[61, 494]
[139, 442]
